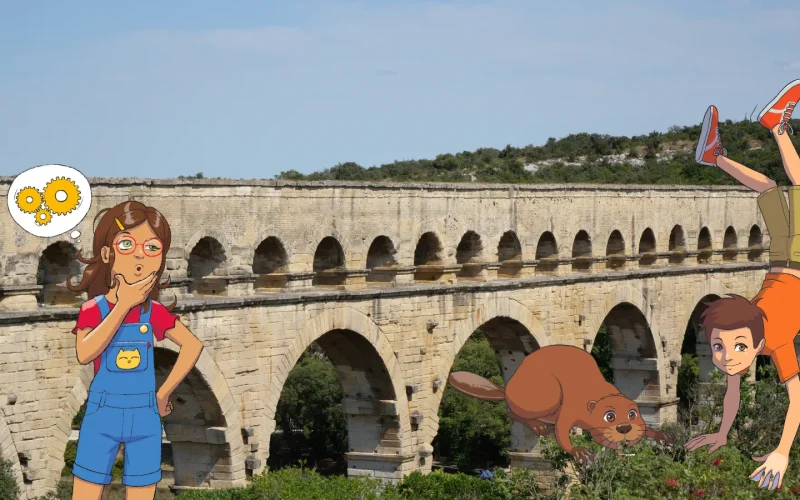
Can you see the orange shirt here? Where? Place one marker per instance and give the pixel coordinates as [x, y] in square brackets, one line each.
[779, 297]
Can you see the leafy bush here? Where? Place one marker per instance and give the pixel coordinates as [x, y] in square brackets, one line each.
[671, 472]
[306, 484]
[9, 490]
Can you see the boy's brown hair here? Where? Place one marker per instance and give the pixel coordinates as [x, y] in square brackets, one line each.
[733, 312]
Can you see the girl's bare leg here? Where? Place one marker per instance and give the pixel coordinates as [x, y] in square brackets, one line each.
[84, 490]
[140, 492]
[791, 162]
[750, 178]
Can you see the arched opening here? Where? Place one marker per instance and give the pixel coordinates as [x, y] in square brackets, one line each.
[677, 245]
[647, 248]
[58, 262]
[581, 252]
[696, 365]
[547, 253]
[270, 265]
[479, 434]
[730, 244]
[207, 267]
[755, 244]
[337, 409]
[509, 255]
[704, 248]
[428, 258]
[380, 260]
[469, 249]
[469, 254]
[329, 263]
[196, 430]
[633, 357]
[615, 251]
[509, 248]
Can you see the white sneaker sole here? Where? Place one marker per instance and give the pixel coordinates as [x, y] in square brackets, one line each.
[701, 145]
[783, 91]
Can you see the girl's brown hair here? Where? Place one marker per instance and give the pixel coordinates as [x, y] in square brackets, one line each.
[97, 278]
[731, 313]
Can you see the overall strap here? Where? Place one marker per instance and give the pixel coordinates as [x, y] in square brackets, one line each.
[144, 317]
[102, 304]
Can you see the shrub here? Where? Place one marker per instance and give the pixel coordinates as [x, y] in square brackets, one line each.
[655, 471]
[9, 490]
[306, 484]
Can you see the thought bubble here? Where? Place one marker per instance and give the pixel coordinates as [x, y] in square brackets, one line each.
[49, 200]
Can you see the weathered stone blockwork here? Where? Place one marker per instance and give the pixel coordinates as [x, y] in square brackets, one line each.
[393, 342]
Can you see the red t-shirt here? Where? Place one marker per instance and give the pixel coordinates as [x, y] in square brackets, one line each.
[160, 318]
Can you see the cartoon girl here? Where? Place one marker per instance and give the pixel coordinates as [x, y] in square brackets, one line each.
[116, 329]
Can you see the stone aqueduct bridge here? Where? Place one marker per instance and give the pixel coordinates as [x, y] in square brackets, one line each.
[390, 280]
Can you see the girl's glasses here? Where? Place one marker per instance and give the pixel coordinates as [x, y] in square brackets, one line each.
[125, 245]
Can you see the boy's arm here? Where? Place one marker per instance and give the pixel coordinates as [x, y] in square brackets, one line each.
[775, 463]
[729, 410]
[730, 404]
[792, 416]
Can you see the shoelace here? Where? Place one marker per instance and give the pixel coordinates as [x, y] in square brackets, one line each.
[719, 150]
[785, 119]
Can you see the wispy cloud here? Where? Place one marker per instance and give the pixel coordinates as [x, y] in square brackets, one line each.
[787, 66]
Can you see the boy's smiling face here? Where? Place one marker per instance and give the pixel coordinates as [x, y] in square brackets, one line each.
[732, 350]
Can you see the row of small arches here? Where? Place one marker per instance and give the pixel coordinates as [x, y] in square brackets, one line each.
[208, 256]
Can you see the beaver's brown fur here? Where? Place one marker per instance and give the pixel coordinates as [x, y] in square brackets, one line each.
[562, 386]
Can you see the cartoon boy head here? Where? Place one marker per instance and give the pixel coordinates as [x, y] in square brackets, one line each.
[735, 331]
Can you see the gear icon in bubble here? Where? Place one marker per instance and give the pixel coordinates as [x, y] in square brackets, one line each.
[29, 199]
[61, 196]
[43, 216]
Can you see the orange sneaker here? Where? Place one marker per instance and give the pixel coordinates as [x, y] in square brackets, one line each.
[710, 144]
[780, 109]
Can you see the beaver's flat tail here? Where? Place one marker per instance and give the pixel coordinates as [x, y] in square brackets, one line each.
[476, 386]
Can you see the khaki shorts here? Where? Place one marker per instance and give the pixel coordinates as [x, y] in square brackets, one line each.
[775, 211]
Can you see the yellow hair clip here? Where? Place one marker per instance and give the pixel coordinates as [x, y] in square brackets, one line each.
[121, 227]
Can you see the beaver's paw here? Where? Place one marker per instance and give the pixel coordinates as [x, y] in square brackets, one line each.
[662, 437]
[539, 428]
[582, 455]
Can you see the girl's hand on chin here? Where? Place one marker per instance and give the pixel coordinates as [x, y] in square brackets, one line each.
[130, 295]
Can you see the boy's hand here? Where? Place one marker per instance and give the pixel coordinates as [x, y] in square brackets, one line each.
[716, 441]
[772, 471]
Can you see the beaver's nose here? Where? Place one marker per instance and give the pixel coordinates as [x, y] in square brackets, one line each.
[624, 428]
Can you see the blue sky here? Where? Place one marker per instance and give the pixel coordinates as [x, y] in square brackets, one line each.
[251, 88]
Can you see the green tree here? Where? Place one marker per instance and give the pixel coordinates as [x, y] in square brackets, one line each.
[473, 432]
[309, 415]
[601, 350]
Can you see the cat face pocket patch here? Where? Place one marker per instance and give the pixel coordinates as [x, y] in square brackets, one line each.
[128, 356]
[127, 360]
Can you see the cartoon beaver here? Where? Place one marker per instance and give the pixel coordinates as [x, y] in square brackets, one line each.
[562, 385]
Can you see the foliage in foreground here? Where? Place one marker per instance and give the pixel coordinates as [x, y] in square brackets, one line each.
[306, 484]
[670, 472]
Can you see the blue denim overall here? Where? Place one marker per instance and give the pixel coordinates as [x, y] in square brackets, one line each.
[122, 408]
